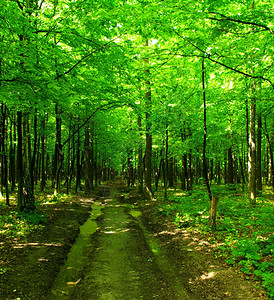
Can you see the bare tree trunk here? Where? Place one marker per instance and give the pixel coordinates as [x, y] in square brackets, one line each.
[205, 167]
[140, 158]
[166, 164]
[88, 162]
[148, 154]
[4, 170]
[43, 146]
[230, 172]
[20, 170]
[259, 155]
[252, 150]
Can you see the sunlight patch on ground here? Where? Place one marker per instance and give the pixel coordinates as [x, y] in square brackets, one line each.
[208, 275]
[167, 232]
[37, 245]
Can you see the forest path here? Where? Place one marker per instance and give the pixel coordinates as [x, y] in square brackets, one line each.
[132, 255]
[122, 264]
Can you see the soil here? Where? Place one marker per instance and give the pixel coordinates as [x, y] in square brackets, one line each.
[131, 256]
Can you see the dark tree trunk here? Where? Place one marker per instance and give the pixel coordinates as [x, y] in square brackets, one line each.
[148, 153]
[12, 164]
[190, 176]
[4, 155]
[130, 169]
[78, 166]
[170, 172]
[205, 168]
[140, 158]
[33, 158]
[43, 146]
[20, 170]
[252, 151]
[166, 164]
[259, 156]
[230, 172]
[88, 162]
[271, 161]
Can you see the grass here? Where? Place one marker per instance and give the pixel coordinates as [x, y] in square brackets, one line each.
[244, 232]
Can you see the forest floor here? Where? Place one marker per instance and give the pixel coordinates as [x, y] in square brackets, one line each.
[134, 254]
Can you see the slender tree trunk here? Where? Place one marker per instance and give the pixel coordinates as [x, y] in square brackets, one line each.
[171, 172]
[271, 160]
[166, 164]
[12, 151]
[33, 158]
[4, 155]
[230, 171]
[140, 158]
[20, 170]
[184, 177]
[88, 162]
[160, 170]
[43, 146]
[148, 154]
[58, 151]
[205, 167]
[78, 167]
[190, 176]
[259, 155]
[252, 150]
[130, 168]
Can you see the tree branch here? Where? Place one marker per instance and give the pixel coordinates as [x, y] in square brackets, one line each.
[225, 18]
[100, 108]
[207, 56]
[85, 57]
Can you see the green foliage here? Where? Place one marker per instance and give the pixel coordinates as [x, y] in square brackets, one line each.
[244, 232]
[33, 217]
[15, 225]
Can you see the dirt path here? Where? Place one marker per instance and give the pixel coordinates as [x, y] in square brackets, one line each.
[134, 254]
[122, 265]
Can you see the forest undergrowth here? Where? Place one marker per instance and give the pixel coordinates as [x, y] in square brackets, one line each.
[16, 225]
[244, 237]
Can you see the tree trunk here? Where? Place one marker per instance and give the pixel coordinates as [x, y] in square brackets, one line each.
[271, 161]
[148, 153]
[259, 155]
[140, 158]
[190, 176]
[212, 213]
[230, 172]
[88, 162]
[43, 146]
[166, 164]
[33, 158]
[252, 150]
[170, 172]
[20, 170]
[4, 155]
[205, 168]
[12, 151]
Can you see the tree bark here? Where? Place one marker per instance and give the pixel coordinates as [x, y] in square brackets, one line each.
[259, 155]
[230, 171]
[148, 153]
[140, 158]
[205, 167]
[4, 170]
[252, 150]
[20, 170]
[43, 146]
[88, 162]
